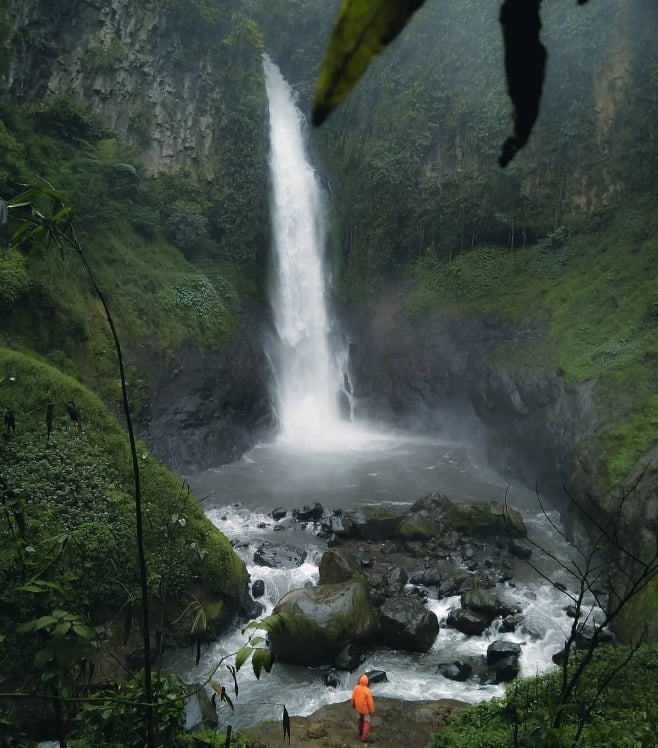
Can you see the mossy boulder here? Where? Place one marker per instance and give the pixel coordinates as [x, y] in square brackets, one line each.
[486, 519]
[375, 522]
[417, 527]
[339, 566]
[319, 621]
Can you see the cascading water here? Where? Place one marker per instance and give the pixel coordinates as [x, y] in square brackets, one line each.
[306, 372]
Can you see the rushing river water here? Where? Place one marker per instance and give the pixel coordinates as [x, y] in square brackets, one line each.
[239, 499]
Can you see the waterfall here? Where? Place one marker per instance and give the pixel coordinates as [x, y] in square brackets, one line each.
[306, 371]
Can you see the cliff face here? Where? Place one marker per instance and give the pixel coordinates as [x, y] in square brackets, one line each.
[142, 69]
[445, 373]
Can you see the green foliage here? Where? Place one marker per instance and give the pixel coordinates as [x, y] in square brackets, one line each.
[115, 715]
[61, 116]
[590, 290]
[14, 278]
[74, 508]
[624, 714]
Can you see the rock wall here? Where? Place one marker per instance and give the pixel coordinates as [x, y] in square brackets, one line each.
[444, 374]
[208, 408]
[133, 66]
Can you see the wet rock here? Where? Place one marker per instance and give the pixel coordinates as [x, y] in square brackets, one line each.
[375, 522]
[331, 679]
[376, 676]
[338, 565]
[321, 620]
[349, 658]
[407, 624]
[520, 548]
[467, 621]
[485, 602]
[510, 623]
[506, 669]
[309, 513]
[394, 582]
[341, 527]
[279, 556]
[500, 649]
[258, 588]
[278, 513]
[456, 670]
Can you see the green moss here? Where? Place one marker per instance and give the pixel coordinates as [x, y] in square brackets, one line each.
[416, 527]
[486, 518]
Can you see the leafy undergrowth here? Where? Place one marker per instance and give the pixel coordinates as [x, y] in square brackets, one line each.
[167, 281]
[68, 500]
[596, 292]
[625, 714]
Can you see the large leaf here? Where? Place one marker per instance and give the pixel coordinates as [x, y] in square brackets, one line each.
[525, 62]
[363, 29]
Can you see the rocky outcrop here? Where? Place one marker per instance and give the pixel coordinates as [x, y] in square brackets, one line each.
[320, 621]
[461, 376]
[408, 624]
[205, 408]
[136, 71]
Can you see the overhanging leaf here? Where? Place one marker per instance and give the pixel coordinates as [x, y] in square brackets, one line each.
[363, 29]
[242, 656]
[525, 62]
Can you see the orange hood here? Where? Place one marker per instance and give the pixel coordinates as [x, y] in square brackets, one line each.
[363, 680]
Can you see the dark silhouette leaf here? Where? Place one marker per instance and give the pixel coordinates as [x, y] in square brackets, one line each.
[363, 29]
[198, 650]
[233, 673]
[229, 729]
[525, 62]
[286, 724]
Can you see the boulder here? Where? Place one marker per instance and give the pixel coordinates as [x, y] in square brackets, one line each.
[279, 556]
[309, 513]
[505, 669]
[278, 513]
[375, 522]
[376, 676]
[394, 582]
[416, 526]
[340, 526]
[500, 649]
[486, 602]
[258, 588]
[467, 621]
[503, 660]
[486, 519]
[520, 548]
[455, 670]
[339, 566]
[407, 624]
[319, 621]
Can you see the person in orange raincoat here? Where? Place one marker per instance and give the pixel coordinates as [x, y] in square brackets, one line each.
[364, 704]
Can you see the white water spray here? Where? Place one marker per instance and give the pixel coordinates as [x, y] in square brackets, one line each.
[306, 372]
